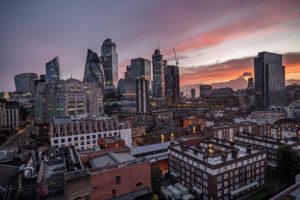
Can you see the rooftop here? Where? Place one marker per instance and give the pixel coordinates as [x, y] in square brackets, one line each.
[111, 159]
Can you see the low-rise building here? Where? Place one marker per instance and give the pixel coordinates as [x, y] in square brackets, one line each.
[267, 144]
[217, 169]
[9, 114]
[84, 132]
[114, 174]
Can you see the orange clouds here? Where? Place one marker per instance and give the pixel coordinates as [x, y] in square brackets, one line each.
[232, 69]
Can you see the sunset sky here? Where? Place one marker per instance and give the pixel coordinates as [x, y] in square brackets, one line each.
[215, 40]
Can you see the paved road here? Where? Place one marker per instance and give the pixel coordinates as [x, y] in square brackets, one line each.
[19, 138]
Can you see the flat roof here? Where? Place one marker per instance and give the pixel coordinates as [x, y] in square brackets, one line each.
[133, 195]
[110, 159]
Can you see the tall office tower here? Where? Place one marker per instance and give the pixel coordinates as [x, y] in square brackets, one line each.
[141, 67]
[53, 70]
[193, 94]
[172, 85]
[158, 67]
[250, 83]
[205, 90]
[269, 80]
[110, 62]
[69, 97]
[128, 74]
[25, 82]
[93, 72]
[142, 95]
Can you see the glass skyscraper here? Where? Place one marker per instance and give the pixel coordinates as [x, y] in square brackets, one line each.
[93, 72]
[172, 84]
[25, 82]
[269, 80]
[53, 70]
[158, 67]
[141, 67]
[110, 62]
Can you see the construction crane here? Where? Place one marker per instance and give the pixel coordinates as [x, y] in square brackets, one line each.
[175, 57]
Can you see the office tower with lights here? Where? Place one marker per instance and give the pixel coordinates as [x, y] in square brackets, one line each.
[53, 70]
[26, 82]
[269, 80]
[141, 67]
[172, 84]
[110, 62]
[158, 67]
[93, 72]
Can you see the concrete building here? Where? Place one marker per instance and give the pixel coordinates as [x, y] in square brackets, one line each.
[205, 90]
[142, 102]
[217, 169]
[141, 67]
[172, 85]
[158, 67]
[66, 98]
[62, 176]
[53, 70]
[84, 132]
[269, 77]
[26, 82]
[9, 114]
[109, 58]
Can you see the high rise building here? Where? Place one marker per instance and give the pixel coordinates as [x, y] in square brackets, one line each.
[172, 84]
[158, 67]
[250, 83]
[66, 98]
[193, 94]
[128, 74]
[142, 95]
[25, 82]
[53, 70]
[110, 62]
[269, 80]
[141, 67]
[205, 90]
[93, 72]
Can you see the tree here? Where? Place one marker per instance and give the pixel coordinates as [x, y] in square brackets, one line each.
[288, 161]
[156, 178]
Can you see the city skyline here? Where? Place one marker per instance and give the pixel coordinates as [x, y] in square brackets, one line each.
[210, 47]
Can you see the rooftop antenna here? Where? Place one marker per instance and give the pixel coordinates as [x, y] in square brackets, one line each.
[159, 46]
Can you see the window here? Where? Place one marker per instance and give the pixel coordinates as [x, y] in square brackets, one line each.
[139, 184]
[69, 139]
[114, 192]
[118, 179]
[55, 141]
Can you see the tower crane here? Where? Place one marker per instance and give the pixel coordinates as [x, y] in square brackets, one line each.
[175, 57]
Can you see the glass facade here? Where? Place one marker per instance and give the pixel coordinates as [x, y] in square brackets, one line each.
[269, 80]
[141, 67]
[25, 82]
[53, 70]
[158, 67]
[110, 62]
[93, 72]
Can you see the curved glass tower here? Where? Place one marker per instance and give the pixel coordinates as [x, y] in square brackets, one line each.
[26, 82]
[93, 72]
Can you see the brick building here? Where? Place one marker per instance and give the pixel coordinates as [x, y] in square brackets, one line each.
[217, 169]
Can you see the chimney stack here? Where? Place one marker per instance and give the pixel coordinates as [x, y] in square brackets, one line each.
[224, 156]
[234, 153]
[248, 149]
